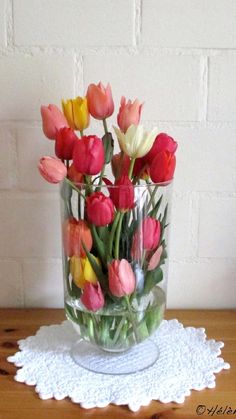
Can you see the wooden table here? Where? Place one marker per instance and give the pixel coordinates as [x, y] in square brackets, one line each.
[19, 401]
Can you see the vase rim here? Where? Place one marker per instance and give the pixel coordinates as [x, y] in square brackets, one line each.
[146, 185]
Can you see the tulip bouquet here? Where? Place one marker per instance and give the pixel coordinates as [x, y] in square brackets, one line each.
[114, 232]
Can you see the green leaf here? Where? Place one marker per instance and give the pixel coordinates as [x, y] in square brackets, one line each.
[154, 211]
[108, 144]
[97, 268]
[153, 318]
[151, 279]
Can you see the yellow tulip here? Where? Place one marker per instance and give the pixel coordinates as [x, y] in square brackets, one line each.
[76, 113]
[81, 271]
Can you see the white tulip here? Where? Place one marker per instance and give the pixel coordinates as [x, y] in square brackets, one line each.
[136, 142]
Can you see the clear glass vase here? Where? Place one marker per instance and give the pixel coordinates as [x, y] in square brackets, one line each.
[138, 236]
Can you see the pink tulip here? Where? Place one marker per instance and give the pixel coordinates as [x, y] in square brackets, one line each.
[155, 259]
[147, 237]
[121, 278]
[100, 102]
[92, 297]
[52, 169]
[129, 114]
[53, 119]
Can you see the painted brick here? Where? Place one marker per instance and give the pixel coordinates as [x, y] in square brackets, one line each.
[217, 234]
[7, 162]
[202, 285]
[222, 92]
[28, 81]
[74, 22]
[3, 6]
[33, 139]
[182, 222]
[43, 283]
[159, 81]
[189, 23]
[11, 294]
[30, 226]
[205, 158]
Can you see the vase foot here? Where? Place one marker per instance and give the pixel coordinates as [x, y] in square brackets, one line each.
[137, 358]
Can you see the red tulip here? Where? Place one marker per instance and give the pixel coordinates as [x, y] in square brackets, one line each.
[120, 164]
[92, 297]
[129, 114]
[100, 102]
[100, 209]
[75, 176]
[74, 234]
[53, 120]
[163, 167]
[65, 142]
[88, 155]
[52, 169]
[122, 194]
[141, 168]
[163, 142]
[121, 278]
[147, 237]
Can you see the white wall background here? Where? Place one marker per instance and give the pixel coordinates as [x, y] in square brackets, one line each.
[177, 56]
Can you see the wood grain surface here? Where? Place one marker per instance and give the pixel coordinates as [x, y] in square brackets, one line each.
[19, 401]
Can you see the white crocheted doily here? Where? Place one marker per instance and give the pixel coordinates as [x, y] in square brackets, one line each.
[187, 362]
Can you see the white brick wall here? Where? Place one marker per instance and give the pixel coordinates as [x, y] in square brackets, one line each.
[176, 56]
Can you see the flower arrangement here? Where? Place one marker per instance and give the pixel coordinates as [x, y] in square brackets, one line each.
[113, 232]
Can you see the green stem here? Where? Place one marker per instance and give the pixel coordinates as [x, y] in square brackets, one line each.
[112, 233]
[131, 317]
[105, 126]
[67, 164]
[81, 133]
[103, 169]
[118, 231]
[131, 167]
[74, 187]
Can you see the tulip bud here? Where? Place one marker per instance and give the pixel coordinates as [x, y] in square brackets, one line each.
[121, 278]
[141, 169]
[100, 209]
[82, 271]
[92, 297]
[123, 194]
[135, 142]
[53, 119]
[88, 155]
[163, 142]
[163, 167]
[129, 113]
[52, 169]
[155, 259]
[75, 176]
[65, 142]
[120, 164]
[147, 237]
[74, 234]
[76, 113]
[100, 102]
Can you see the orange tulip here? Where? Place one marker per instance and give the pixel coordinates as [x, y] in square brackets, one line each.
[75, 233]
[100, 102]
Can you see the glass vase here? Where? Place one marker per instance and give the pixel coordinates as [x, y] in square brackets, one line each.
[138, 236]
